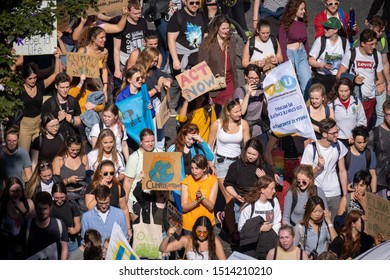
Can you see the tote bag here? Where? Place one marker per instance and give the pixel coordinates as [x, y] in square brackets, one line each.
[147, 238]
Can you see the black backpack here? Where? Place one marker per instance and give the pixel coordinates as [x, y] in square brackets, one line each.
[367, 153]
[252, 47]
[295, 201]
[351, 65]
[323, 46]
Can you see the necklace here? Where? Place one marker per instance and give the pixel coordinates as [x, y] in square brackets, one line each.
[28, 86]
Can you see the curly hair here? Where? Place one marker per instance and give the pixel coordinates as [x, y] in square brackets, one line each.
[211, 38]
[188, 128]
[88, 34]
[290, 12]
[204, 221]
[333, 94]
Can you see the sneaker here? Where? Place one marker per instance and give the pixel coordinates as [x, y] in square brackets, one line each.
[221, 216]
[235, 238]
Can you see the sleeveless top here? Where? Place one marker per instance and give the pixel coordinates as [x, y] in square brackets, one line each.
[267, 49]
[66, 172]
[317, 123]
[229, 145]
[192, 255]
[281, 254]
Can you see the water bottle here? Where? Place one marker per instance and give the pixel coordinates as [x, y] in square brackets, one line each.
[351, 18]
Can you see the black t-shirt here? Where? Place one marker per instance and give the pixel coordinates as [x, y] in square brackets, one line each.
[191, 30]
[66, 213]
[48, 148]
[114, 191]
[152, 81]
[72, 107]
[32, 107]
[132, 36]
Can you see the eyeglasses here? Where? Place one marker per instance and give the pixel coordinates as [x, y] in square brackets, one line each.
[201, 232]
[303, 183]
[332, 4]
[109, 173]
[333, 133]
[44, 164]
[194, 3]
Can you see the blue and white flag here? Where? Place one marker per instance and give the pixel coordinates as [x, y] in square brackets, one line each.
[286, 108]
[119, 248]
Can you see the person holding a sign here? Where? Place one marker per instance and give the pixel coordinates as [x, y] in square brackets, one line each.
[198, 193]
[227, 133]
[92, 42]
[32, 97]
[219, 52]
[353, 241]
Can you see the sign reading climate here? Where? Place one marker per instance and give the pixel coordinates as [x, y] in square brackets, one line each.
[162, 171]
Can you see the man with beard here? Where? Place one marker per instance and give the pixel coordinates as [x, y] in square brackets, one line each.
[14, 160]
[379, 143]
[42, 231]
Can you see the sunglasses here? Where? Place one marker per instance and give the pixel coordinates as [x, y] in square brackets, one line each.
[138, 79]
[303, 183]
[332, 4]
[44, 164]
[327, 28]
[109, 173]
[194, 3]
[201, 232]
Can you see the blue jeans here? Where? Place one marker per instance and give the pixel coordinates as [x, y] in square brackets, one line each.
[380, 99]
[161, 28]
[298, 59]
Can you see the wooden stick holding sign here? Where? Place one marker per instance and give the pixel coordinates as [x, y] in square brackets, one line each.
[81, 63]
[197, 81]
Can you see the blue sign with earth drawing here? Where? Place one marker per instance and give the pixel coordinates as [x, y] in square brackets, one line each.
[162, 171]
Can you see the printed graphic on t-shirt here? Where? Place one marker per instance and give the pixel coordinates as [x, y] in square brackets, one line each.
[268, 214]
[364, 64]
[134, 40]
[333, 59]
[194, 35]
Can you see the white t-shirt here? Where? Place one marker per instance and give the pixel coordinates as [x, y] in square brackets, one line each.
[93, 162]
[364, 66]
[332, 54]
[118, 141]
[265, 210]
[267, 49]
[327, 178]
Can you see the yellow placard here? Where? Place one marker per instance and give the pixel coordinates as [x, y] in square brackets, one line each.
[81, 63]
[162, 171]
[197, 81]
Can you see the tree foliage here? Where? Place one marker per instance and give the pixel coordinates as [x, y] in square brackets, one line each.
[25, 18]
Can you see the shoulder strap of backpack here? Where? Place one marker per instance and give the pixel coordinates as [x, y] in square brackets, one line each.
[327, 111]
[368, 158]
[322, 46]
[101, 125]
[59, 226]
[351, 65]
[376, 63]
[348, 159]
[275, 252]
[300, 254]
[252, 209]
[274, 43]
[344, 43]
[293, 204]
[251, 46]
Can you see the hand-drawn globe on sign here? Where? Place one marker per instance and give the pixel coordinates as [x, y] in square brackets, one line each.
[161, 171]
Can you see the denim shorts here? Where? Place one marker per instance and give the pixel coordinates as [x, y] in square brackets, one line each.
[222, 168]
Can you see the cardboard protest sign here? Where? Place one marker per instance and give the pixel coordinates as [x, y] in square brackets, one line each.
[197, 81]
[286, 107]
[37, 45]
[162, 171]
[118, 247]
[174, 217]
[378, 215]
[164, 113]
[106, 6]
[81, 63]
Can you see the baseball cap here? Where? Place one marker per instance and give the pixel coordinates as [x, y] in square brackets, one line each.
[332, 23]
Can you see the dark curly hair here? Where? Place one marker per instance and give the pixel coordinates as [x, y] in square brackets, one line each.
[290, 12]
